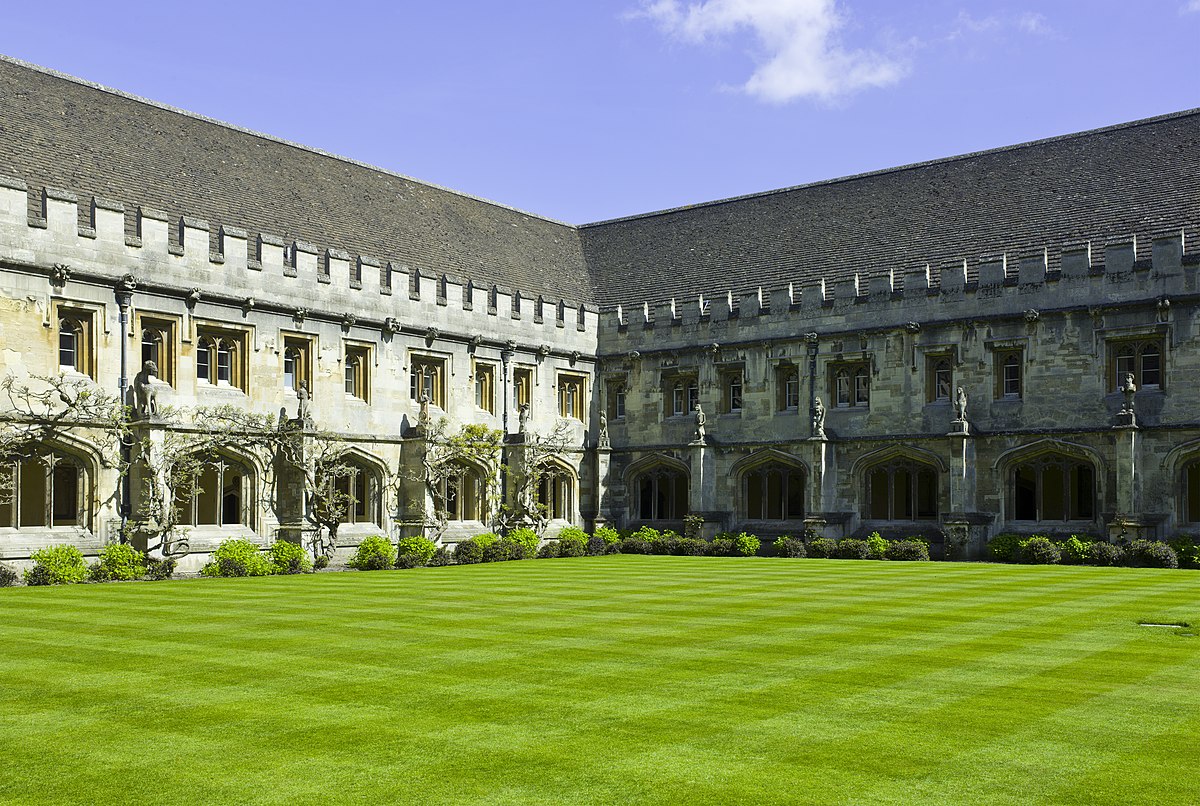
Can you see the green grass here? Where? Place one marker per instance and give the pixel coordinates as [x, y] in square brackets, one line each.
[609, 680]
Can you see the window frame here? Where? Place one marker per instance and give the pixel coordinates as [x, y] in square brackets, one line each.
[484, 375]
[572, 390]
[44, 464]
[935, 365]
[431, 369]
[855, 377]
[356, 370]
[733, 389]
[80, 323]
[1139, 347]
[210, 343]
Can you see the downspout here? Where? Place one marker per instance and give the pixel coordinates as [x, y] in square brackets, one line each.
[124, 293]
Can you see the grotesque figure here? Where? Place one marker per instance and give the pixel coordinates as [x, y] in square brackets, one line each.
[145, 396]
[818, 418]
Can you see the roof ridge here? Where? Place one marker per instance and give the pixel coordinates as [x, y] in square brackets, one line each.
[898, 168]
[37, 68]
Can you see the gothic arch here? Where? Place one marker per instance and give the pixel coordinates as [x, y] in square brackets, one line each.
[659, 487]
[1050, 481]
[1045, 446]
[771, 486]
[653, 461]
[765, 456]
[919, 455]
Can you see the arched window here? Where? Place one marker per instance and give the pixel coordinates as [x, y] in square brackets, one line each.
[44, 490]
[662, 495]
[214, 491]
[461, 494]
[1191, 493]
[556, 493]
[359, 492]
[217, 360]
[293, 366]
[773, 492]
[901, 490]
[1053, 487]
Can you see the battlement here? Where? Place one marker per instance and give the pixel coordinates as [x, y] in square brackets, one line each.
[1098, 272]
[104, 238]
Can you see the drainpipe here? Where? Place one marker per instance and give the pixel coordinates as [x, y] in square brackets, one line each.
[811, 338]
[506, 356]
[124, 292]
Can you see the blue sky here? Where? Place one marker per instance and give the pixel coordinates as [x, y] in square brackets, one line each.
[583, 111]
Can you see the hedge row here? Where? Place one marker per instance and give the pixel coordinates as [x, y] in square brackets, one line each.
[1182, 552]
[64, 565]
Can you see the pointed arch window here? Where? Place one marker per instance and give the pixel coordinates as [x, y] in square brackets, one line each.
[46, 490]
[1053, 488]
[359, 491]
[901, 490]
[774, 491]
[460, 494]
[662, 494]
[218, 491]
[556, 493]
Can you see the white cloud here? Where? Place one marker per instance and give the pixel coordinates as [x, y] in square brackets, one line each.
[800, 53]
[1029, 22]
[1192, 6]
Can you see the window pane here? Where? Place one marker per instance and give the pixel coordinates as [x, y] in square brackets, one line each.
[224, 363]
[1012, 377]
[862, 385]
[1151, 367]
[68, 345]
[842, 388]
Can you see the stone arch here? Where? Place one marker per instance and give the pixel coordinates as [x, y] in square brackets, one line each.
[227, 492]
[1050, 481]
[899, 483]
[52, 485]
[658, 488]
[1182, 468]
[557, 492]
[771, 486]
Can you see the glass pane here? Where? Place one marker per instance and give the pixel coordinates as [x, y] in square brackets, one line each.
[842, 388]
[862, 385]
[1151, 367]
[67, 344]
[224, 363]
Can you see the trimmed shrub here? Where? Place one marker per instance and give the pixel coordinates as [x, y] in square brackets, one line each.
[789, 547]
[821, 547]
[8, 576]
[744, 545]
[876, 546]
[1150, 554]
[849, 548]
[440, 558]
[375, 553]
[1187, 549]
[1075, 550]
[486, 539]
[57, 565]
[598, 546]
[721, 546]
[238, 558]
[158, 570]
[320, 562]
[690, 547]
[909, 549]
[290, 558]
[417, 550]
[528, 539]
[506, 549]
[635, 545]
[1039, 550]
[1003, 548]
[572, 543]
[609, 535]
[468, 552]
[119, 562]
[1104, 553]
[548, 551]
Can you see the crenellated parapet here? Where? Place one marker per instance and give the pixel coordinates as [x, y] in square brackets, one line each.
[1130, 269]
[172, 254]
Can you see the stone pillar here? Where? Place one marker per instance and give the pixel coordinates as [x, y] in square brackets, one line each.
[822, 485]
[962, 472]
[148, 488]
[291, 495]
[1127, 523]
[603, 504]
[702, 493]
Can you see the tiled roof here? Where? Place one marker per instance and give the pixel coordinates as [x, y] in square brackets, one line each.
[1135, 178]
[63, 132]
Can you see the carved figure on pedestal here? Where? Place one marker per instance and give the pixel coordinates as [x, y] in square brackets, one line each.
[701, 421]
[1129, 390]
[523, 418]
[145, 396]
[303, 410]
[423, 417]
[960, 405]
[602, 440]
[818, 418]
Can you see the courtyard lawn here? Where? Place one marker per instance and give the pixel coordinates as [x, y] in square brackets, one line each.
[621, 679]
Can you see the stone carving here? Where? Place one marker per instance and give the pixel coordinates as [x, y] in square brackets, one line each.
[60, 274]
[128, 283]
[431, 335]
[523, 418]
[701, 421]
[299, 315]
[392, 325]
[476, 340]
[960, 405]
[818, 418]
[424, 418]
[1164, 309]
[1129, 390]
[1032, 316]
[574, 357]
[304, 410]
[602, 439]
[249, 303]
[811, 338]
[544, 350]
[913, 327]
[348, 320]
[193, 297]
[145, 396]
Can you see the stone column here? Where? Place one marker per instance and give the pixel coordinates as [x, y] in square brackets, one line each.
[147, 481]
[702, 493]
[603, 462]
[1127, 461]
[822, 485]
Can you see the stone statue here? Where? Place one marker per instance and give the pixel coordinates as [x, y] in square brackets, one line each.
[602, 440]
[960, 405]
[1129, 389]
[701, 420]
[818, 418]
[303, 411]
[523, 418]
[145, 396]
[423, 417]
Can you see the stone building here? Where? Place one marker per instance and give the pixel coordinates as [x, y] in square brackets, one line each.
[1000, 341]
